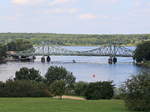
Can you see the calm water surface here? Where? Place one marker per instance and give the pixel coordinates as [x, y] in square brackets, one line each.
[84, 69]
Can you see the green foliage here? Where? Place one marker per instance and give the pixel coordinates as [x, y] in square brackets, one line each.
[75, 39]
[58, 88]
[59, 73]
[23, 88]
[3, 51]
[80, 88]
[99, 90]
[19, 45]
[142, 52]
[137, 92]
[28, 74]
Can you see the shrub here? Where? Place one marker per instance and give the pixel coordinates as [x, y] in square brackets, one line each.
[80, 88]
[23, 88]
[99, 90]
[137, 92]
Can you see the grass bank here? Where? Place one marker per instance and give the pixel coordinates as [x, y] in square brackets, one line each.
[144, 64]
[56, 105]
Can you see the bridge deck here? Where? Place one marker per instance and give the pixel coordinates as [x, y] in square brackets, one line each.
[119, 51]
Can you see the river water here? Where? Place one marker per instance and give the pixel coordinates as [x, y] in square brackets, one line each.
[83, 70]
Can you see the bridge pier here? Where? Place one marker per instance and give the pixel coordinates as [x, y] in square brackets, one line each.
[48, 59]
[112, 60]
[43, 59]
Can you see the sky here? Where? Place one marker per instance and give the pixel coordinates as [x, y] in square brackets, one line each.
[75, 16]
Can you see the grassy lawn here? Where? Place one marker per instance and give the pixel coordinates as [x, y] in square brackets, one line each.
[56, 105]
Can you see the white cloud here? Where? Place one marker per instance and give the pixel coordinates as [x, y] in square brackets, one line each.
[56, 2]
[87, 16]
[62, 11]
[27, 2]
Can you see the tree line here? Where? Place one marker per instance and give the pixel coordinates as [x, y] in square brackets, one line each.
[56, 82]
[75, 39]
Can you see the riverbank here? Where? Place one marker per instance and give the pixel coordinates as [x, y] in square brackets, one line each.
[144, 64]
[56, 105]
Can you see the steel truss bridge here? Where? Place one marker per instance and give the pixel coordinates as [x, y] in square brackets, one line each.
[106, 50]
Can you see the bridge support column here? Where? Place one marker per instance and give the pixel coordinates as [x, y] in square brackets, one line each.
[110, 60]
[48, 59]
[114, 60]
[43, 59]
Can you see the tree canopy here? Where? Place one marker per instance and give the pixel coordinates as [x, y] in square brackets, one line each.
[99, 90]
[3, 51]
[19, 45]
[137, 92]
[58, 88]
[59, 73]
[76, 39]
[142, 52]
[28, 74]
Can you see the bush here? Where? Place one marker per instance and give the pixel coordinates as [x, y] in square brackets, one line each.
[99, 90]
[137, 92]
[23, 88]
[80, 88]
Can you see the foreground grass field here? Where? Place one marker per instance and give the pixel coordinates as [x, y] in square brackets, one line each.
[56, 105]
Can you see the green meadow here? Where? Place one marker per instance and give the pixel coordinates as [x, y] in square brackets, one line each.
[56, 105]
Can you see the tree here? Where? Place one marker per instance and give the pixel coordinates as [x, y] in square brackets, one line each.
[99, 90]
[59, 73]
[136, 92]
[28, 74]
[19, 45]
[142, 52]
[80, 88]
[3, 51]
[57, 88]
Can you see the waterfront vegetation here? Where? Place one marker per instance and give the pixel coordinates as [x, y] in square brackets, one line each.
[136, 91]
[58, 82]
[19, 45]
[146, 64]
[2, 52]
[142, 54]
[75, 39]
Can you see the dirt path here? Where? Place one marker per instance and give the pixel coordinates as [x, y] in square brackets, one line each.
[71, 97]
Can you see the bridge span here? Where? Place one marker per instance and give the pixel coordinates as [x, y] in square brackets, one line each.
[119, 51]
